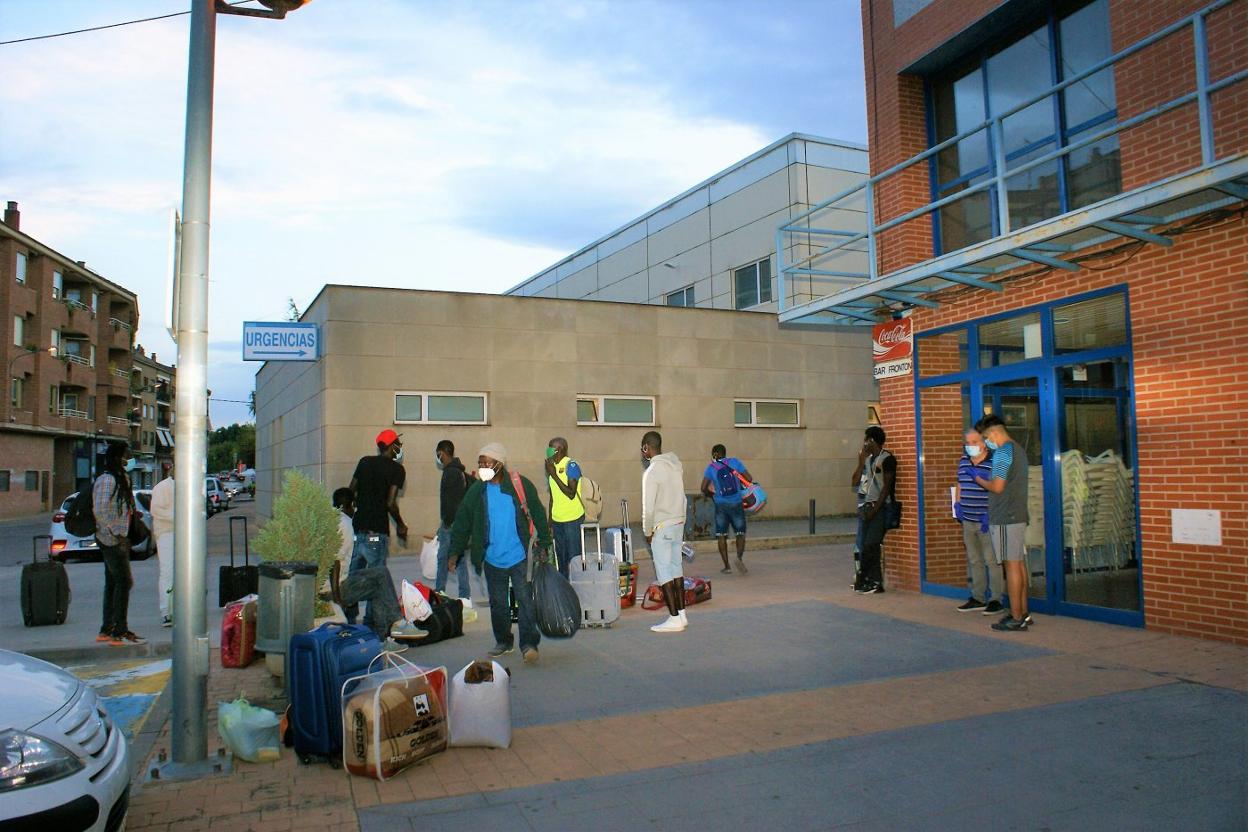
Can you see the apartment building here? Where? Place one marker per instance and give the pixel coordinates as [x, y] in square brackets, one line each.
[68, 336]
[1060, 231]
[152, 387]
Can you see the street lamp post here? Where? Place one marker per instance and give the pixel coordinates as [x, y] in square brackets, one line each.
[190, 621]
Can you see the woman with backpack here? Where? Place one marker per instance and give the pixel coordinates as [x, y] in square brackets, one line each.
[112, 501]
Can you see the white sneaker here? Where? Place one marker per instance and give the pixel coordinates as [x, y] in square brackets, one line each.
[673, 624]
[392, 646]
[683, 619]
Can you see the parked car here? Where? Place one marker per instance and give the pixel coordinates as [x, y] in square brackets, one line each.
[66, 545]
[64, 764]
[218, 498]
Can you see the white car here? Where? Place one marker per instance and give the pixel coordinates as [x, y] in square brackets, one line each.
[218, 498]
[66, 545]
[64, 764]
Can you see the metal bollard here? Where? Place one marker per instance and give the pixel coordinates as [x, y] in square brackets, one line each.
[812, 516]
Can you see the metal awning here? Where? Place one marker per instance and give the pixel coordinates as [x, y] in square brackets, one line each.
[164, 438]
[1148, 214]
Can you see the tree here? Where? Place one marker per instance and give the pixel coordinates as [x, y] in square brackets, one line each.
[231, 445]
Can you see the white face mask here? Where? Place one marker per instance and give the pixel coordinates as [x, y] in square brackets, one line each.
[485, 474]
[973, 450]
[398, 457]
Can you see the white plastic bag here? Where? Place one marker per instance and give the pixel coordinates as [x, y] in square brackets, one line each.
[415, 606]
[480, 706]
[429, 559]
[250, 733]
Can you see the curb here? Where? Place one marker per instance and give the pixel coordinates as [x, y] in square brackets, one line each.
[68, 655]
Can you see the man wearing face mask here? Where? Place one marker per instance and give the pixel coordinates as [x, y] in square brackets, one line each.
[455, 482]
[376, 485]
[971, 510]
[875, 476]
[563, 475]
[498, 524]
[1007, 516]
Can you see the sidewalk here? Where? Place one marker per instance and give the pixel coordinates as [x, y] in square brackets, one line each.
[791, 703]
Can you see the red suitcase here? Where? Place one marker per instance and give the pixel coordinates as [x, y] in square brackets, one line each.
[238, 633]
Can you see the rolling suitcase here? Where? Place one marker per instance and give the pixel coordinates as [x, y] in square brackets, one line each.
[234, 582]
[321, 661]
[45, 589]
[238, 633]
[620, 545]
[596, 580]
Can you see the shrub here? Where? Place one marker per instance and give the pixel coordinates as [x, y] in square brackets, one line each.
[304, 527]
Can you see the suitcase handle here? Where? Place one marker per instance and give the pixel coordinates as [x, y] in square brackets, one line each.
[34, 547]
[597, 527]
[624, 512]
[246, 545]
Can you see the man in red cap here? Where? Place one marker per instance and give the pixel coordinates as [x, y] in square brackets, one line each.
[376, 485]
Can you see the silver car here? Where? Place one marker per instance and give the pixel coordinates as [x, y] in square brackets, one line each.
[66, 545]
[64, 764]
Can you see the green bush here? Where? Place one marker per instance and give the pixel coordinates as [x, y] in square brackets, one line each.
[304, 528]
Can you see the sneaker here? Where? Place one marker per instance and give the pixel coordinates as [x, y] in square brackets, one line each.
[673, 624]
[103, 637]
[530, 655]
[870, 588]
[972, 604]
[392, 646]
[741, 566]
[501, 650]
[406, 631]
[126, 638]
[727, 570]
[992, 608]
[1010, 623]
[166, 621]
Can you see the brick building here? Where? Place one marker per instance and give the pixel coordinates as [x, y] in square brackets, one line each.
[152, 386]
[67, 347]
[1058, 194]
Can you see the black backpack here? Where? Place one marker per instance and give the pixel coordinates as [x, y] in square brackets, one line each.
[80, 519]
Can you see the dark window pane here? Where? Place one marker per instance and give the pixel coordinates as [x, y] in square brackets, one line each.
[1093, 173]
[1016, 74]
[777, 413]
[628, 411]
[764, 281]
[407, 408]
[741, 413]
[745, 285]
[966, 221]
[456, 409]
[586, 410]
[1088, 324]
[959, 107]
[1085, 42]
[1034, 194]
[32, 480]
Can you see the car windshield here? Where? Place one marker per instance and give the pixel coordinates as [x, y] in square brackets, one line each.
[146, 500]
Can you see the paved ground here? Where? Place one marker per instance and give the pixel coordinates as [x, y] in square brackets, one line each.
[794, 704]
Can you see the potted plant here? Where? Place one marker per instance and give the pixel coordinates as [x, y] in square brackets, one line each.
[304, 527]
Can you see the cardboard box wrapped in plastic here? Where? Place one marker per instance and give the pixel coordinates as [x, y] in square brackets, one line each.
[481, 706]
[393, 717]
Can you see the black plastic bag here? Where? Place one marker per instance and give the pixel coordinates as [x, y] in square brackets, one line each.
[557, 605]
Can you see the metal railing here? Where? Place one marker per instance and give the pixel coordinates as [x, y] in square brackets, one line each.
[76, 358]
[120, 324]
[120, 373]
[849, 241]
[118, 420]
[69, 411]
[77, 304]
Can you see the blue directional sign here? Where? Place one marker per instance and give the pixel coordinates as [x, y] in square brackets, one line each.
[280, 341]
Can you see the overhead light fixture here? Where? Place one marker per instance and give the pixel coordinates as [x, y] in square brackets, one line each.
[670, 265]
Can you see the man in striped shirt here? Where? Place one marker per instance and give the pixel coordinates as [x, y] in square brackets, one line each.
[971, 510]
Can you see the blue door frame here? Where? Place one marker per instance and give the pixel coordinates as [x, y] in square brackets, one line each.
[1044, 372]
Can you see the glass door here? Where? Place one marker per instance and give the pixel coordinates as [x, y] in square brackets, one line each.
[1018, 402]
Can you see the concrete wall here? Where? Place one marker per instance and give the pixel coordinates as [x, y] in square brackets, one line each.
[533, 356]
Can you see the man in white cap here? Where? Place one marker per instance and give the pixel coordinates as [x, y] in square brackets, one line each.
[499, 517]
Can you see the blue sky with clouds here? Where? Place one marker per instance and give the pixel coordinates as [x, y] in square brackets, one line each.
[431, 145]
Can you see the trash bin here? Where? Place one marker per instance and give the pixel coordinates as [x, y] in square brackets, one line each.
[286, 607]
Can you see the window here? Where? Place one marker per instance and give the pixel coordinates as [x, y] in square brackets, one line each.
[17, 390]
[21, 268]
[4, 480]
[993, 83]
[615, 410]
[766, 413]
[58, 285]
[54, 399]
[752, 284]
[56, 342]
[873, 415]
[681, 297]
[19, 331]
[95, 301]
[32, 480]
[421, 408]
[91, 355]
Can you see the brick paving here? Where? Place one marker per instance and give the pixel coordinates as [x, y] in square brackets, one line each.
[780, 673]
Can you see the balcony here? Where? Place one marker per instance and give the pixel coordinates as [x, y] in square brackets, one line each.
[75, 358]
[1147, 211]
[71, 412]
[120, 324]
[118, 420]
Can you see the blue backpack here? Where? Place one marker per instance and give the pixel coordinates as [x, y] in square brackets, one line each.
[726, 482]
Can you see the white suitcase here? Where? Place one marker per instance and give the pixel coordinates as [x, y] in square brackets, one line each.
[596, 579]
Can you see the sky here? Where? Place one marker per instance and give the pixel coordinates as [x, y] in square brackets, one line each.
[406, 143]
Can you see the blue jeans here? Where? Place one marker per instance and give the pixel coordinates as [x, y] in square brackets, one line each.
[371, 549]
[500, 610]
[567, 542]
[374, 586]
[461, 568]
[729, 515]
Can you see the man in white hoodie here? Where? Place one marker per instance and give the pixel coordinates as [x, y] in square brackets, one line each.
[663, 524]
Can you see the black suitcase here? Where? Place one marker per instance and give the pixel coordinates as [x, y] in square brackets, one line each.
[45, 589]
[233, 582]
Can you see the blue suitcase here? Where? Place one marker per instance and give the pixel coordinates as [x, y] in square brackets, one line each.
[320, 662]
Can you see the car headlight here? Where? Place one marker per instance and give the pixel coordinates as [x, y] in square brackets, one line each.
[27, 760]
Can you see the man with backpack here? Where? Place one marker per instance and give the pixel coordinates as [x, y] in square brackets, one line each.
[112, 502]
[563, 474]
[875, 477]
[455, 482]
[726, 479]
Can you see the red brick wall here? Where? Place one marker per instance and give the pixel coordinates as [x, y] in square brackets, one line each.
[20, 453]
[1189, 319]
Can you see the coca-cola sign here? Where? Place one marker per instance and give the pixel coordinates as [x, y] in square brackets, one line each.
[892, 341]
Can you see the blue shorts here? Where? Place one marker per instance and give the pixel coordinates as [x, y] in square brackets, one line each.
[726, 514]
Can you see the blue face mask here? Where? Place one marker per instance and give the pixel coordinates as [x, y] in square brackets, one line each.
[992, 446]
[971, 450]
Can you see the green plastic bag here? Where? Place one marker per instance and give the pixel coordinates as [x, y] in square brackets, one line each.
[250, 733]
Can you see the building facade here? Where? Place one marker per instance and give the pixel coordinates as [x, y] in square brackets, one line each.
[152, 387]
[713, 246]
[68, 338]
[1058, 194]
[481, 368]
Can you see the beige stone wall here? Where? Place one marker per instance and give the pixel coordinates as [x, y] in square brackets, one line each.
[533, 356]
